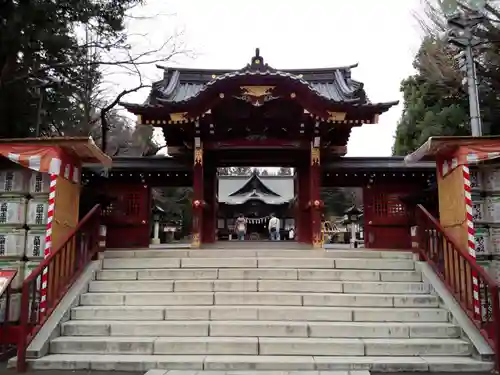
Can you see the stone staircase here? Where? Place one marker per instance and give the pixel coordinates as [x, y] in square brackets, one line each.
[260, 310]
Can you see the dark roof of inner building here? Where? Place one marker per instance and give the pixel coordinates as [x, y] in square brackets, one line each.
[234, 190]
[334, 84]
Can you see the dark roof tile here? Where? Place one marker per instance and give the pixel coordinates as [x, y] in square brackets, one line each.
[180, 85]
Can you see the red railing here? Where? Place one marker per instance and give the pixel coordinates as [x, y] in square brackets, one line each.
[60, 270]
[7, 344]
[457, 269]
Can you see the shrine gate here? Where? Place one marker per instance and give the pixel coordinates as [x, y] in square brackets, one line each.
[261, 116]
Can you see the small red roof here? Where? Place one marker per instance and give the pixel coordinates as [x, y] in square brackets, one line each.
[447, 147]
[83, 148]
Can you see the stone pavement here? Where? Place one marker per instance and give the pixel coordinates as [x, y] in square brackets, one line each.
[183, 372]
[5, 371]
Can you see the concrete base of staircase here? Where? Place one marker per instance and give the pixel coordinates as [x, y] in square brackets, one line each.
[255, 309]
[181, 372]
[136, 363]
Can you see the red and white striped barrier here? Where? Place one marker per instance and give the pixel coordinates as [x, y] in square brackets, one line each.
[48, 239]
[471, 244]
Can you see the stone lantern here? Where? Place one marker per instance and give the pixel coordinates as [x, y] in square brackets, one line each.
[351, 217]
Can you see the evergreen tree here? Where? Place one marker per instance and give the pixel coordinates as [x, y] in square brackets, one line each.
[435, 98]
[335, 200]
[431, 106]
[44, 65]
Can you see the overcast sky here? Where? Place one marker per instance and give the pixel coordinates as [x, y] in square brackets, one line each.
[381, 35]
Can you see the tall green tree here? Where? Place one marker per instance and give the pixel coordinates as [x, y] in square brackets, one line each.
[44, 64]
[433, 104]
[53, 56]
[435, 98]
[335, 200]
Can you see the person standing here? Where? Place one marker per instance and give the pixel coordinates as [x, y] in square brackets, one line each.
[240, 227]
[274, 228]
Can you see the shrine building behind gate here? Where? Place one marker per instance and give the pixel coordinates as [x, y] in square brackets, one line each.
[260, 116]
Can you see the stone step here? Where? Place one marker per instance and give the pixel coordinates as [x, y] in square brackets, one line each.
[259, 329]
[264, 253]
[241, 372]
[259, 345]
[210, 372]
[258, 274]
[155, 345]
[267, 313]
[252, 363]
[298, 263]
[257, 298]
[311, 286]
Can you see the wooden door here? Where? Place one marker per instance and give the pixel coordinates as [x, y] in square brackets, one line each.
[387, 224]
[127, 218]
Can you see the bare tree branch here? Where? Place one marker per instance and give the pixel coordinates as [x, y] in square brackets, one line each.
[109, 107]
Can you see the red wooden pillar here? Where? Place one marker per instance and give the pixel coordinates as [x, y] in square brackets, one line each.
[198, 198]
[315, 203]
[210, 211]
[296, 208]
[304, 221]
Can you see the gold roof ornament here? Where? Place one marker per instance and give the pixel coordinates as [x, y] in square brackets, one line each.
[315, 155]
[198, 156]
[257, 91]
[336, 116]
[195, 242]
[178, 117]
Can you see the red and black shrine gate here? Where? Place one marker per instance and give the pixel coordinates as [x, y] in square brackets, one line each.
[261, 116]
[386, 183]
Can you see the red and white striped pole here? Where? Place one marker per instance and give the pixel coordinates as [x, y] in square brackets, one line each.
[470, 238]
[48, 240]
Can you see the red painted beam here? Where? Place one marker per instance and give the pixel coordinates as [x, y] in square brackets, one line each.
[256, 144]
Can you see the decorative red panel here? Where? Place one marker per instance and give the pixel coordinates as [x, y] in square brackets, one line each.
[127, 217]
[386, 218]
[387, 237]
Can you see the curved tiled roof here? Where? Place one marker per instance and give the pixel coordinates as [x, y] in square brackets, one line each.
[335, 85]
[269, 189]
[255, 195]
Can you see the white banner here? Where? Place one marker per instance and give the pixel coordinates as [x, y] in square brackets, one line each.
[260, 220]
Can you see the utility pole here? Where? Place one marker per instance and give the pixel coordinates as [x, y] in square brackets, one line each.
[472, 83]
[460, 33]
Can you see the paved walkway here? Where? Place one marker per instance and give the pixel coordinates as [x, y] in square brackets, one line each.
[5, 371]
[185, 372]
